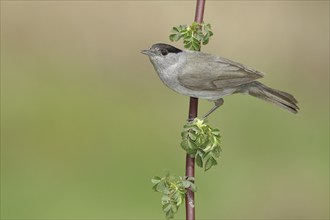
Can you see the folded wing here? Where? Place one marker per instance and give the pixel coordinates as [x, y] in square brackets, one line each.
[208, 72]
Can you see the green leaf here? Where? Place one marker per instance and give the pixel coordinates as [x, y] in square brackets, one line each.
[193, 187]
[184, 133]
[207, 27]
[186, 183]
[176, 195]
[206, 143]
[167, 207]
[176, 29]
[195, 46]
[165, 198]
[201, 141]
[156, 179]
[216, 132]
[192, 136]
[191, 144]
[190, 178]
[205, 41]
[209, 163]
[187, 45]
[193, 35]
[154, 188]
[182, 27]
[216, 151]
[166, 190]
[160, 186]
[173, 191]
[199, 160]
[174, 208]
[184, 144]
[175, 37]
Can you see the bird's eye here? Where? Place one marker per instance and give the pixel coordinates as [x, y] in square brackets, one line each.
[164, 52]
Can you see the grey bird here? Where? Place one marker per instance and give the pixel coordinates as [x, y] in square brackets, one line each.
[206, 76]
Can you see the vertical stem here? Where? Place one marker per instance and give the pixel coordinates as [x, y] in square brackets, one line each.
[193, 108]
[199, 14]
[190, 165]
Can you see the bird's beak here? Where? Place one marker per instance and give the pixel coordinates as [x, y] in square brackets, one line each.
[147, 52]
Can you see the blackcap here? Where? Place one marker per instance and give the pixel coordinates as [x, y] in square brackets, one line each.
[206, 76]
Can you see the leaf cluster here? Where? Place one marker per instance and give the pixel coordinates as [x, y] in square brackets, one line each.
[202, 142]
[173, 191]
[193, 36]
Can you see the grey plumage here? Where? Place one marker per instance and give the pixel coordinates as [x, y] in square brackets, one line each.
[206, 76]
[279, 98]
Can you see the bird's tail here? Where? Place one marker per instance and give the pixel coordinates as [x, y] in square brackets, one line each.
[279, 98]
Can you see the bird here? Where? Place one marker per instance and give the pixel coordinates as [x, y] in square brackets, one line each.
[207, 76]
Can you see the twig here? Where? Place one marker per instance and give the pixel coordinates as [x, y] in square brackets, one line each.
[193, 108]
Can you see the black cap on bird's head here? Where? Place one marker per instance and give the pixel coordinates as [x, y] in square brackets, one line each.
[161, 48]
[169, 48]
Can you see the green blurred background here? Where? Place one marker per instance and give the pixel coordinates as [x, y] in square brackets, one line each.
[86, 123]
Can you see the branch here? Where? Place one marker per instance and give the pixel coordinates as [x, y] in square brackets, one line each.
[193, 108]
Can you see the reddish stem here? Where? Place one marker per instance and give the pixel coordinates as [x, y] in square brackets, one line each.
[193, 108]
[199, 14]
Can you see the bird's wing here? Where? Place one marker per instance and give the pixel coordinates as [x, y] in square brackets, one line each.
[208, 72]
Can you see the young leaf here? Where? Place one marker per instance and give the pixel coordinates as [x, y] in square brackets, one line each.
[173, 191]
[175, 37]
[156, 179]
[209, 163]
[193, 35]
[201, 141]
[193, 187]
[165, 198]
[160, 186]
[199, 160]
[167, 207]
[176, 30]
[190, 178]
[186, 183]
[174, 208]
[192, 136]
